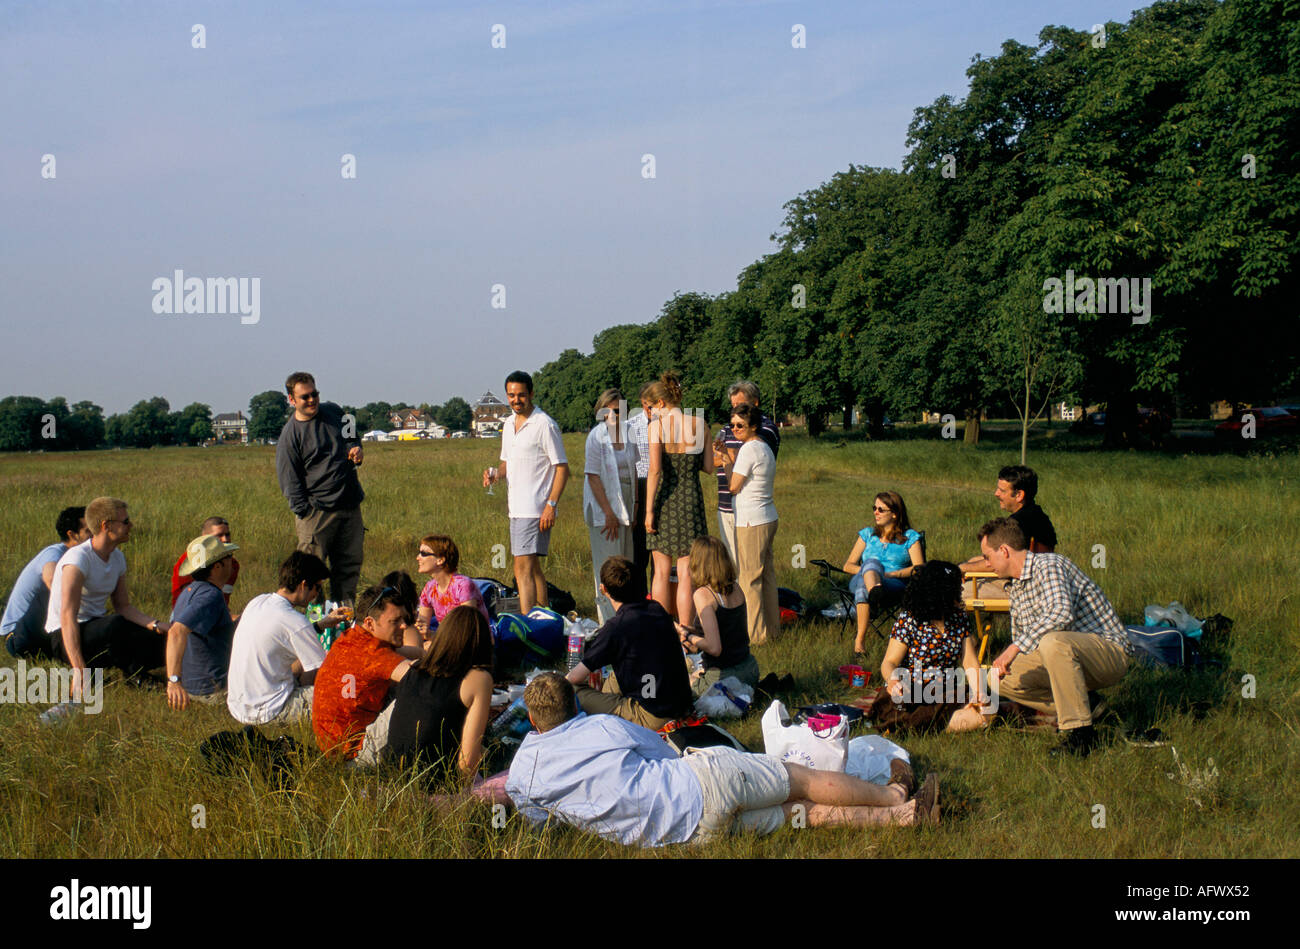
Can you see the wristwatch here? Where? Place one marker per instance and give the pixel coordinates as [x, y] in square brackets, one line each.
[173, 678]
[156, 626]
[551, 503]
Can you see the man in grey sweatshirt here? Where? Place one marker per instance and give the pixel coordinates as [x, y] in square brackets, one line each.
[316, 461]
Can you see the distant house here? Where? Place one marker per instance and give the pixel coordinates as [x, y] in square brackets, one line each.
[231, 427]
[490, 414]
[411, 420]
[1067, 412]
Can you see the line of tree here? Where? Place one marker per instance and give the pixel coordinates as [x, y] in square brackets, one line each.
[1163, 148]
[28, 423]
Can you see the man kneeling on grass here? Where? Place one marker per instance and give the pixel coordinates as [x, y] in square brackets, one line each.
[606, 775]
[355, 681]
[276, 653]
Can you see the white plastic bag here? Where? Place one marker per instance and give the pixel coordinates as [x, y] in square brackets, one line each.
[825, 750]
[726, 698]
[1175, 614]
[869, 757]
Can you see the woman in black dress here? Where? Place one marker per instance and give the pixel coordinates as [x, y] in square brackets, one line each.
[676, 517]
[441, 707]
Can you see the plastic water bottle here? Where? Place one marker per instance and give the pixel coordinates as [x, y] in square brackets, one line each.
[577, 642]
[57, 713]
[507, 721]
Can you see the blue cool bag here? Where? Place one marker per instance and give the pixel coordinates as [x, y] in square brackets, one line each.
[535, 638]
[1164, 646]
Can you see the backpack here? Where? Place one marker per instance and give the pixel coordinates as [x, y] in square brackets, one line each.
[698, 733]
[1164, 646]
[233, 752]
[492, 591]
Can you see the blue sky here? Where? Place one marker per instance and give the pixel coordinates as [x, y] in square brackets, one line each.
[475, 166]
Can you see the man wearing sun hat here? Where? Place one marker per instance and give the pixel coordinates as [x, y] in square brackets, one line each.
[198, 643]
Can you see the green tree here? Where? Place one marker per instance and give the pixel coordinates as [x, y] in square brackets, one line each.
[267, 413]
[20, 422]
[455, 415]
[192, 424]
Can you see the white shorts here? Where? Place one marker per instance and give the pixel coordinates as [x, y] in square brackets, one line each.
[742, 791]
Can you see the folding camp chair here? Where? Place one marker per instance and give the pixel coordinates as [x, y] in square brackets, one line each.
[981, 604]
[884, 603]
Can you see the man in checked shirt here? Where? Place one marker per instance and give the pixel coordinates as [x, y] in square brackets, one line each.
[1065, 637]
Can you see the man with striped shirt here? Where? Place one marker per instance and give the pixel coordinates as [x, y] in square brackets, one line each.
[1066, 639]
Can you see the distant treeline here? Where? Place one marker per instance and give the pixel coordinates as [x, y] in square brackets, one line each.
[28, 423]
[1161, 150]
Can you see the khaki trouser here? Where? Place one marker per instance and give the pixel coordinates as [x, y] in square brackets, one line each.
[609, 701]
[727, 531]
[757, 576]
[1059, 674]
[338, 538]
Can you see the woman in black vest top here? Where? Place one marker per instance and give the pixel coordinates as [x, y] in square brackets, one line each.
[722, 634]
[441, 707]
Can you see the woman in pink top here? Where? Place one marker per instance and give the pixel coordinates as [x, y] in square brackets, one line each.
[437, 558]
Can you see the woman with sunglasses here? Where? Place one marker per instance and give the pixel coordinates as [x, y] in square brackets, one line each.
[438, 557]
[750, 478]
[609, 490]
[441, 706]
[884, 556]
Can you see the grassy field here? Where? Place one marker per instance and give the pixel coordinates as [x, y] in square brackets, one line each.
[1218, 532]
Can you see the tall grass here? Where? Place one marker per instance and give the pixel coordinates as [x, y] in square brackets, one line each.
[1218, 533]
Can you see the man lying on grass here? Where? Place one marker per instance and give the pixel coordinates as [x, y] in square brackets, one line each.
[606, 775]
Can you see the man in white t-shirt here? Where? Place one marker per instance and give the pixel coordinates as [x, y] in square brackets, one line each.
[276, 652]
[82, 631]
[536, 470]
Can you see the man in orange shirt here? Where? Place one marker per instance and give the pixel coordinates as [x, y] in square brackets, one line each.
[352, 685]
[219, 527]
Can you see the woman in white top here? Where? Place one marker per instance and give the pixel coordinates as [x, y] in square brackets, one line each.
[750, 478]
[609, 490]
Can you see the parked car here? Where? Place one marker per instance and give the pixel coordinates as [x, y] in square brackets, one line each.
[1269, 420]
[460, 434]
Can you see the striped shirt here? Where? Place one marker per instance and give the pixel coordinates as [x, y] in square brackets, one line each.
[1053, 594]
[638, 432]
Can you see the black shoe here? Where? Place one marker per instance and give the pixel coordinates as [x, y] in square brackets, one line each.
[1097, 705]
[1077, 741]
[786, 683]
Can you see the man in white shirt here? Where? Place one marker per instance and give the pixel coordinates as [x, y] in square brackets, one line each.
[276, 652]
[82, 631]
[606, 775]
[536, 470]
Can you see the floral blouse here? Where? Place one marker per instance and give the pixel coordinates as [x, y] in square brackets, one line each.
[460, 591]
[929, 650]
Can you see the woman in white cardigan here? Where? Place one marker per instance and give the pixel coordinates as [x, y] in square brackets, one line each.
[609, 490]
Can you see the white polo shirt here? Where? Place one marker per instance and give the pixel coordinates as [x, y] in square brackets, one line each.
[531, 455]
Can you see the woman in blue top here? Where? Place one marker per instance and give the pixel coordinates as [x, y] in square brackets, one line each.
[884, 556]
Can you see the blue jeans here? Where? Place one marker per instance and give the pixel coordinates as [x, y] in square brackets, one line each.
[858, 584]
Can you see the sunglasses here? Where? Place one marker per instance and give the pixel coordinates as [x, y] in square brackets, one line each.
[423, 553]
[882, 510]
[309, 396]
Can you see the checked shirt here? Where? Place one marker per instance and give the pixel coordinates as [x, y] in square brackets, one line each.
[1054, 594]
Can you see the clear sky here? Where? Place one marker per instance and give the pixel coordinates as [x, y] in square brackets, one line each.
[475, 166]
